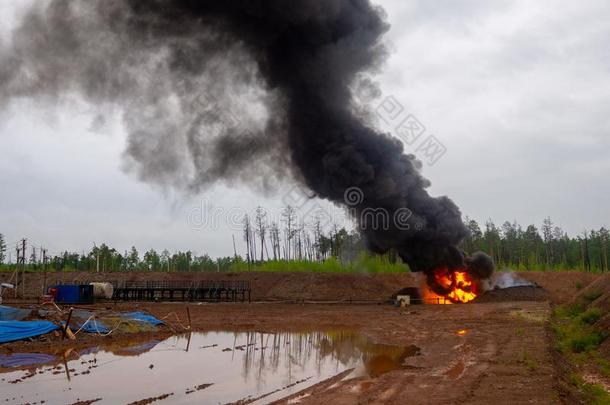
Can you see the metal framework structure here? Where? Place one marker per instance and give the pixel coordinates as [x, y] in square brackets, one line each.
[205, 290]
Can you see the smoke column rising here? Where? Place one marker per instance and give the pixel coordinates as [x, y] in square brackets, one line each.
[182, 70]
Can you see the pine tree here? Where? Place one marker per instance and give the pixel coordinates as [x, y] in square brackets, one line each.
[604, 237]
[133, 259]
[547, 234]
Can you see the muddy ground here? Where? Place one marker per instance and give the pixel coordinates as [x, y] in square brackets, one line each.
[502, 357]
[492, 352]
[477, 353]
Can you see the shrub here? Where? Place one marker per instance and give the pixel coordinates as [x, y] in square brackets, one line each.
[592, 296]
[586, 341]
[574, 329]
[591, 316]
[569, 311]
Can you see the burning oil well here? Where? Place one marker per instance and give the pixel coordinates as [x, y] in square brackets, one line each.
[184, 71]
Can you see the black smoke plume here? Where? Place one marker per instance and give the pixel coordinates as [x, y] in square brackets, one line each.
[239, 90]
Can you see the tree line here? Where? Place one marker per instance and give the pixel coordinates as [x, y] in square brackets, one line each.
[511, 246]
[548, 248]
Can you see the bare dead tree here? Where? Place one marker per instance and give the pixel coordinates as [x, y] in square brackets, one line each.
[253, 243]
[275, 240]
[317, 236]
[299, 240]
[308, 246]
[260, 221]
[289, 219]
[247, 238]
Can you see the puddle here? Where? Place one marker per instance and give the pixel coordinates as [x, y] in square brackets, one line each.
[214, 367]
[25, 359]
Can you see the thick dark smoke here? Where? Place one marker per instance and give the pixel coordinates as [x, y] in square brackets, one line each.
[242, 90]
[480, 265]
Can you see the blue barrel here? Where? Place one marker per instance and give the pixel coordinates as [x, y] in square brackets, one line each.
[73, 294]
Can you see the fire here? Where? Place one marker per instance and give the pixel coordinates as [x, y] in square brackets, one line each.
[460, 285]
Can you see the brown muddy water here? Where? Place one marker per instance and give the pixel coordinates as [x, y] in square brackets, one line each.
[199, 368]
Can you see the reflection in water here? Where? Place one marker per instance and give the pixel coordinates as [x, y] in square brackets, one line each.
[203, 368]
[25, 359]
[264, 351]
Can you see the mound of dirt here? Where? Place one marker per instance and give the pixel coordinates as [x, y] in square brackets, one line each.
[561, 286]
[597, 295]
[521, 293]
[266, 286]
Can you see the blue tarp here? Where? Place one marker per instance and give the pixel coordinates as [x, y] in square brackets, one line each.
[17, 330]
[94, 326]
[90, 326]
[98, 326]
[142, 317]
[13, 314]
[25, 359]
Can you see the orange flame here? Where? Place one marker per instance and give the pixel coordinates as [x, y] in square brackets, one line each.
[461, 286]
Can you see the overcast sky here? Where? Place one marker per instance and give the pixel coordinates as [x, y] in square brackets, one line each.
[518, 92]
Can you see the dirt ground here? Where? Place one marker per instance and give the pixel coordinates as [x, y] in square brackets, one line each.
[501, 356]
[492, 352]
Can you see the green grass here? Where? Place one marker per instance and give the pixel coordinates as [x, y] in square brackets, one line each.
[541, 267]
[603, 366]
[575, 330]
[364, 264]
[586, 342]
[594, 394]
[578, 340]
[569, 311]
[526, 359]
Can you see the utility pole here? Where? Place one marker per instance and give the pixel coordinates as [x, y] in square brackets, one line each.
[17, 270]
[44, 270]
[23, 242]
[20, 266]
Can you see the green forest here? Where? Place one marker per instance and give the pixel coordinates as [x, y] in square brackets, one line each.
[299, 248]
